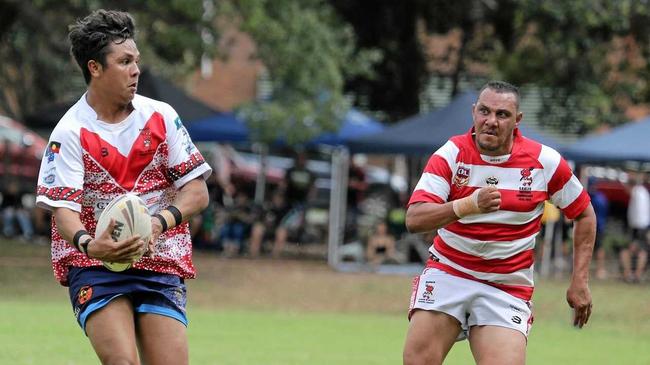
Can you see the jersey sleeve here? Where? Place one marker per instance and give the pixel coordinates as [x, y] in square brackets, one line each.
[61, 176]
[185, 162]
[435, 183]
[566, 191]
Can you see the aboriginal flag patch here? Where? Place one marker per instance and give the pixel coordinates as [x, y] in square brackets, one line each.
[54, 147]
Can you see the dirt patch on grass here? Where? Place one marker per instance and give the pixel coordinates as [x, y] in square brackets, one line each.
[294, 285]
[264, 284]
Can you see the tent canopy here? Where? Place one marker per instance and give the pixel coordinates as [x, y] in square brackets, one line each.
[225, 127]
[354, 125]
[424, 133]
[149, 85]
[219, 127]
[628, 142]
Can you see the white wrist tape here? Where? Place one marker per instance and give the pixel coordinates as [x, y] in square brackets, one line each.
[467, 205]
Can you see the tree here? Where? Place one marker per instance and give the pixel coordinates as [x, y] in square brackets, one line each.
[308, 54]
[588, 56]
[391, 27]
[37, 68]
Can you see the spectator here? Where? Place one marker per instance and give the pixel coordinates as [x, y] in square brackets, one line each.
[381, 245]
[396, 218]
[13, 211]
[268, 221]
[299, 187]
[638, 220]
[356, 182]
[357, 186]
[601, 207]
[237, 225]
[203, 228]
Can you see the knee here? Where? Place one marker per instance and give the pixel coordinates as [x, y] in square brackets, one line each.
[119, 360]
[412, 356]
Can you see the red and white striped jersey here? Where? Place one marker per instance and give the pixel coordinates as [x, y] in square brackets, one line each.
[497, 248]
[89, 162]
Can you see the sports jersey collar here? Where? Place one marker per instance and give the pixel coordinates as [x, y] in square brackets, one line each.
[516, 146]
[87, 113]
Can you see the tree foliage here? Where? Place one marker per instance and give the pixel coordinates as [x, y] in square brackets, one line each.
[588, 57]
[308, 54]
[38, 69]
[307, 51]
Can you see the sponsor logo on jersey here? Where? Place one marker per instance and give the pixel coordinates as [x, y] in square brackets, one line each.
[187, 141]
[85, 293]
[516, 309]
[49, 179]
[461, 178]
[492, 181]
[178, 296]
[178, 123]
[49, 176]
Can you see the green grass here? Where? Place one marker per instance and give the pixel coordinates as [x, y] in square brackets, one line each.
[265, 312]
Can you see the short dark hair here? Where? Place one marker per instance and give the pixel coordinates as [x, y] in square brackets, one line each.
[91, 36]
[502, 87]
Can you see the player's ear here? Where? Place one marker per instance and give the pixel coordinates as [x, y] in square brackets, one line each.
[518, 119]
[94, 67]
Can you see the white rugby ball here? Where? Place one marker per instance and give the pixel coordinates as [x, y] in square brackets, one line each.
[131, 217]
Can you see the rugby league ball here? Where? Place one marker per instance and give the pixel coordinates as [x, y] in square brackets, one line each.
[131, 217]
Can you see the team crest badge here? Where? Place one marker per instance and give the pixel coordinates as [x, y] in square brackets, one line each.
[461, 178]
[427, 294]
[85, 293]
[526, 176]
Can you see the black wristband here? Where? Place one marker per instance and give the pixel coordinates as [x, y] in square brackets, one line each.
[163, 221]
[83, 246]
[77, 237]
[178, 216]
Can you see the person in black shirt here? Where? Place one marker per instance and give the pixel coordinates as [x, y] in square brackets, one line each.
[299, 187]
[268, 221]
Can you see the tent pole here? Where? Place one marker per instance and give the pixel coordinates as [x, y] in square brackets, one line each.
[260, 182]
[338, 198]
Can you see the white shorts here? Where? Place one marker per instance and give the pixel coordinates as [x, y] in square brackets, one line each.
[472, 303]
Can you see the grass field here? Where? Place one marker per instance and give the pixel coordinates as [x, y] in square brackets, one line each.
[290, 312]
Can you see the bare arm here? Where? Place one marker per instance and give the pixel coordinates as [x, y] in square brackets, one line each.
[101, 247]
[191, 199]
[426, 217]
[578, 295]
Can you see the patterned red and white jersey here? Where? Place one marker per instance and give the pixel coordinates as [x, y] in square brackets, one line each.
[497, 248]
[89, 162]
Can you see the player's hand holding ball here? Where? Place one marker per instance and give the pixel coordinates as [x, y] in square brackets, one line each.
[122, 233]
[156, 231]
